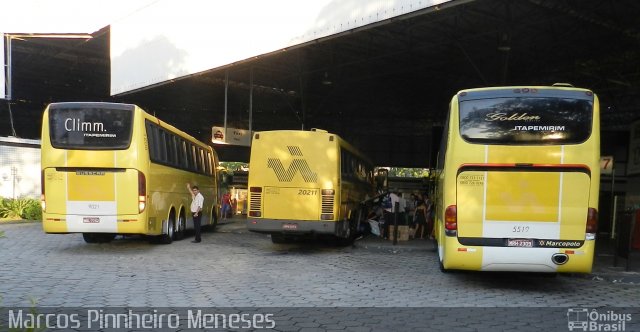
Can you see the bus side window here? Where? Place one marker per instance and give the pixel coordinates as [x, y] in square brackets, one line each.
[190, 164]
[344, 164]
[200, 160]
[169, 147]
[184, 161]
[443, 142]
[156, 143]
[151, 141]
[174, 151]
[163, 146]
[194, 158]
[208, 163]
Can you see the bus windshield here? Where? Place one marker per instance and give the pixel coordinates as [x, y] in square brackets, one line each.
[91, 128]
[526, 120]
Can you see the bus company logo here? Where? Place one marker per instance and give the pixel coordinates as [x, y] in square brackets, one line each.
[560, 244]
[500, 116]
[90, 129]
[584, 320]
[297, 165]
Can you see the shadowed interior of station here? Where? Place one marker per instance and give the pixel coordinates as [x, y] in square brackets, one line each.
[384, 88]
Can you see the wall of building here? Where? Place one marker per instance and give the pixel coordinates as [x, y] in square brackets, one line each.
[19, 168]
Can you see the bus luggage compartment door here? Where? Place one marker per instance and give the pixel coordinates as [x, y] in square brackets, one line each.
[509, 204]
[91, 199]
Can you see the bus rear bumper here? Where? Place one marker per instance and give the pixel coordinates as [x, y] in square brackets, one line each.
[120, 224]
[271, 226]
[578, 260]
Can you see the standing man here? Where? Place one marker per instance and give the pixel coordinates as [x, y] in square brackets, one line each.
[226, 205]
[389, 212]
[197, 201]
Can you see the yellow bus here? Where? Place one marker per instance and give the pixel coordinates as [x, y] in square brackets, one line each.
[111, 169]
[306, 183]
[518, 179]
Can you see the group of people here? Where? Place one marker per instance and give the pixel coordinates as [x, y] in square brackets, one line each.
[415, 212]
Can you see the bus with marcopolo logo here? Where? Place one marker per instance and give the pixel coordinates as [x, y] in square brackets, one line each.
[306, 183]
[111, 169]
[518, 180]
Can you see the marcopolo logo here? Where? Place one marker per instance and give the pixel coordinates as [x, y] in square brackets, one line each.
[583, 319]
[297, 165]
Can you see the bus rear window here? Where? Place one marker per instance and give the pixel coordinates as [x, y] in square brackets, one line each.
[86, 127]
[528, 120]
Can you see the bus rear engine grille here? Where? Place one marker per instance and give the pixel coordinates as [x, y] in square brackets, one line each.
[255, 204]
[327, 204]
[256, 199]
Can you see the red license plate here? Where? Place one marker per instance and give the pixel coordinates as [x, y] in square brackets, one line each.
[525, 243]
[290, 227]
[91, 220]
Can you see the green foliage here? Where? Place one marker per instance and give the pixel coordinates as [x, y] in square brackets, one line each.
[408, 172]
[33, 211]
[234, 165]
[21, 208]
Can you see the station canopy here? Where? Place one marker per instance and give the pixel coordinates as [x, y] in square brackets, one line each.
[380, 75]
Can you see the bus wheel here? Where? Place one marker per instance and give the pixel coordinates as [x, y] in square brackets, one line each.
[182, 227]
[348, 232]
[90, 237]
[168, 238]
[441, 266]
[278, 238]
[106, 237]
[215, 219]
[98, 237]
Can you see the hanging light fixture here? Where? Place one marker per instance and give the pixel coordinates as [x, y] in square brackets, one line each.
[326, 80]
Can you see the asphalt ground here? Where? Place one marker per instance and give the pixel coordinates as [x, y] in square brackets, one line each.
[372, 285]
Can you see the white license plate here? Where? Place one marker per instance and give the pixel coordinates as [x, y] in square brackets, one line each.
[91, 220]
[526, 243]
[290, 226]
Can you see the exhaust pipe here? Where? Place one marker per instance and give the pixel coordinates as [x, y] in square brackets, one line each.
[559, 259]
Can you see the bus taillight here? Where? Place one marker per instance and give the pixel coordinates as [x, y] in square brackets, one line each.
[592, 224]
[43, 203]
[142, 192]
[451, 220]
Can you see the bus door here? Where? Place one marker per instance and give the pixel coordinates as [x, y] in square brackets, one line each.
[292, 203]
[87, 196]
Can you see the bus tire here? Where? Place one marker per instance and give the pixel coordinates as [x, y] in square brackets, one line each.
[90, 237]
[168, 238]
[98, 237]
[278, 238]
[106, 237]
[214, 216]
[440, 260]
[441, 266]
[181, 227]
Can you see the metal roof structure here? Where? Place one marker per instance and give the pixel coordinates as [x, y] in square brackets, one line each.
[384, 88]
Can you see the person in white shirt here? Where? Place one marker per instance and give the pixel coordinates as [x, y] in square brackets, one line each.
[197, 202]
[389, 211]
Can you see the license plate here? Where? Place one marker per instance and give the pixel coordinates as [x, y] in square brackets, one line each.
[91, 220]
[290, 226]
[526, 243]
